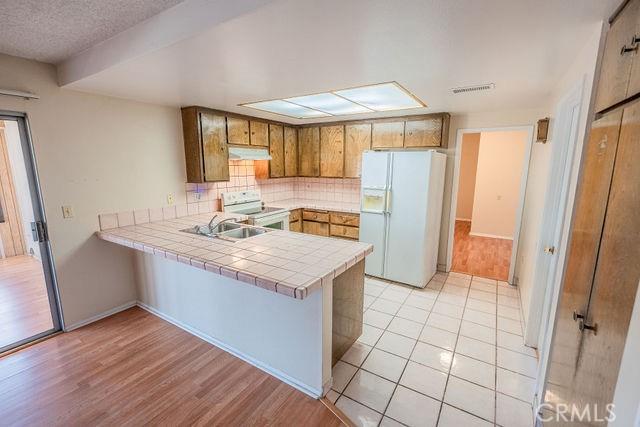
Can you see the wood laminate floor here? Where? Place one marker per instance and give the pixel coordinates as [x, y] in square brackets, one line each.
[480, 256]
[134, 368]
[24, 303]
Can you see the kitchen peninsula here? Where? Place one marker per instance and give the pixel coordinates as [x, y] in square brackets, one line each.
[289, 303]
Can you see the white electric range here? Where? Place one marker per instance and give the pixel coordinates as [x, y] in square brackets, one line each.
[249, 203]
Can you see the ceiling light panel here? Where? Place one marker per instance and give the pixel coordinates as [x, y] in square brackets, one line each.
[279, 106]
[329, 103]
[381, 97]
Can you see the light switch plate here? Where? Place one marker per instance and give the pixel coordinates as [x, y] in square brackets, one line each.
[67, 211]
[170, 199]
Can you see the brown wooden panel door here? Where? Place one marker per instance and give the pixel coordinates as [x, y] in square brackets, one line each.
[387, 135]
[317, 228]
[259, 133]
[309, 151]
[11, 235]
[295, 226]
[589, 212]
[357, 140]
[617, 273]
[290, 151]
[237, 131]
[344, 231]
[614, 77]
[276, 149]
[214, 147]
[332, 151]
[423, 133]
[350, 219]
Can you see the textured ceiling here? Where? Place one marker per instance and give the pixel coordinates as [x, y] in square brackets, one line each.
[53, 30]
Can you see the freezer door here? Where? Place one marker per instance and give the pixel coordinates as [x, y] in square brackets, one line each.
[375, 167]
[407, 252]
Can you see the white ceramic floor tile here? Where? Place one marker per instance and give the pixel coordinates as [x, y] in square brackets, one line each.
[357, 353]
[470, 397]
[517, 362]
[484, 280]
[458, 281]
[509, 325]
[437, 286]
[373, 289]
[413, 313]
[479, 332]
[508, 291]
[377, 318]
[332, 396]
[515, 343]
[444, 322]
[368, 300]
[515, 385]
[453, 417]
[424, 379]
[508, 301]
[394, 295]
[452, 299]
[403, 289]
[476, 349]
[484, 319]
[440, 276]
[370, 335]
[370, 390]
[342, 373]
[450, 310]
[385, 306]
[509, 312]
[482, 296]
[434, 357]
[474, 371]
[483, 306]
[413, 409]
[360, 415]
[426, 293]
[385, 364]
[461, 275]
[438, 337]
[388, 422]
[511, 412]
[405, 327]
[456, 290]
[396, 344]
[419, 301]
[485, 287]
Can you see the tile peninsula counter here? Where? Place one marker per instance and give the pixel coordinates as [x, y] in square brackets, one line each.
[289, 303]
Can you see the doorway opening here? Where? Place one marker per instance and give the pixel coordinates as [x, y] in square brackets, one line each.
[29, 306]
[489, 186]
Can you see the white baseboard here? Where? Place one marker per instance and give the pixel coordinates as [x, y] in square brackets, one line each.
[100, 316]
[464, 219]
[316, 394]
[493, 236]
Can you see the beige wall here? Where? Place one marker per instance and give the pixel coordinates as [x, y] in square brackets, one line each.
[98, 154]
[498, 178]
[467, 179]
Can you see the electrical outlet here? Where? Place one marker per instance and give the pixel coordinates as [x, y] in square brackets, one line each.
[170, 199]
[67, 211]
[197, 196]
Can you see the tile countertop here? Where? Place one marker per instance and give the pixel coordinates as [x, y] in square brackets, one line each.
[285, 262]
[316, 204]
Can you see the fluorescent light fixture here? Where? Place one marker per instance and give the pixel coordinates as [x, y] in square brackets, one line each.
[381, 97]
[388, 96]
[279, 106]
[329, 103]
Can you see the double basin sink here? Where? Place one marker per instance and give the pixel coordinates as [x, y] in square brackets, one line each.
[227, 231]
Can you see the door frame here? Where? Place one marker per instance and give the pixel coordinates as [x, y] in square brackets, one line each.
[39, 215]
[521, 197]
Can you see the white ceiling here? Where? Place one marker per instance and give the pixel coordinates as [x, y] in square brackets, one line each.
[53, 30]
[287, 48]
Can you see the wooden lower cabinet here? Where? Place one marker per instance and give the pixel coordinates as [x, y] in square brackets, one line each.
[295, 226]
[344, 231]
[325, 223]
[317, 228]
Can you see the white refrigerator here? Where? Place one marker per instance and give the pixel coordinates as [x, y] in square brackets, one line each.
[400, 212]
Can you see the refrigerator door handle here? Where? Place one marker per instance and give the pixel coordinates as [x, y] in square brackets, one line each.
[387, 208]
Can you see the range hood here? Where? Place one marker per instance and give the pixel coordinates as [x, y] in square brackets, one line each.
[241, 153]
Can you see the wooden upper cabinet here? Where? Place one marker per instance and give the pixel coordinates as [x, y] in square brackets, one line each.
[290, 151]
[237, 131]
[357, 140]
[276, 150]
[423, 132]
[309, 151]
[620, 72]
[387, 135]
[332, 151]
[205, 145]
[259, 133]
[214, 147]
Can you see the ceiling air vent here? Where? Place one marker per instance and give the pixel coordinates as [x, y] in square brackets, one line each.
[476, 88]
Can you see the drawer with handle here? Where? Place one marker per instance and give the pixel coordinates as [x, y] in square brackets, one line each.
[344, 231]
[319, 216]
[344, 219]
[295, 215]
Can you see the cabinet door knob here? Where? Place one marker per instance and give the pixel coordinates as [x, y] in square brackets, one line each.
[584, 326]
[577, 316]
[549, 250]
[627, 49]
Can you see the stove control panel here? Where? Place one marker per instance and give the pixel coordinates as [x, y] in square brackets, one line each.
[237, 197]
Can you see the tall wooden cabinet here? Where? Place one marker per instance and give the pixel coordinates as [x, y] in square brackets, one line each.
[205, 145]
[602, 273]
[309, 151]
[332, 151]
[357, 140]
[276, 150]
[290, 152]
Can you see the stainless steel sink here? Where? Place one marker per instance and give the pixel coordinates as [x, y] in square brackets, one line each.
[225, 226]
[243, 233]
[204, 230]
[227, 231]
